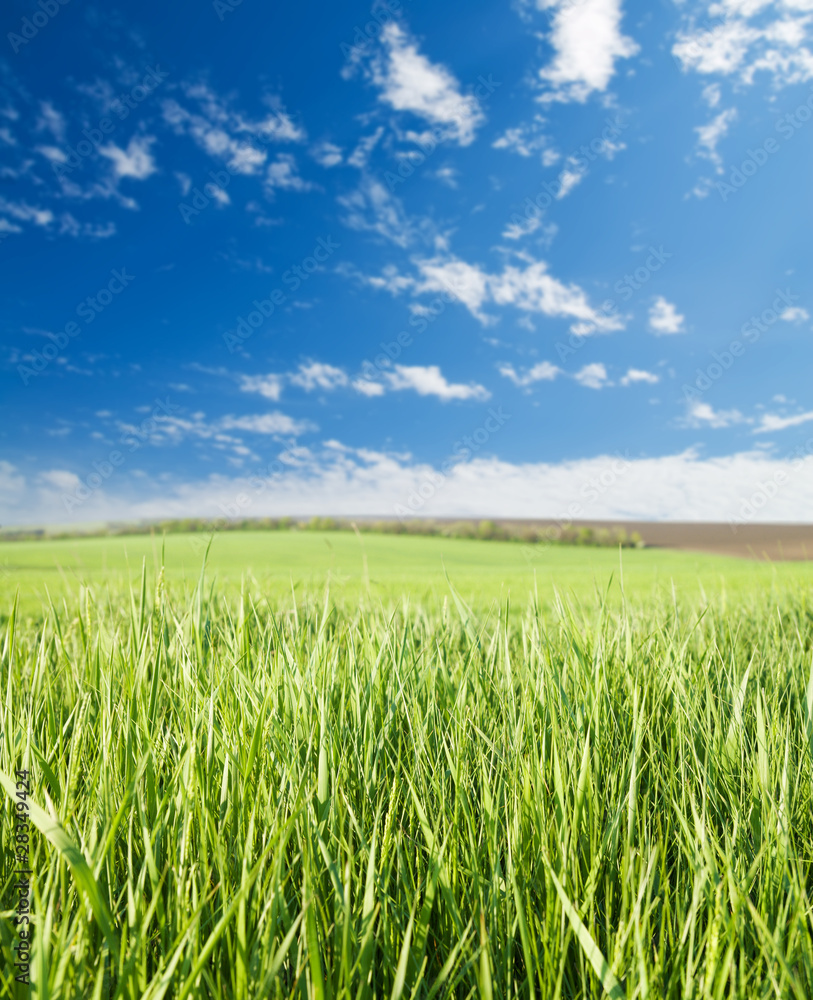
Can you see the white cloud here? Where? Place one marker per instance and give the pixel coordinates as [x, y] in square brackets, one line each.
[720, 49]
[664, 319]
[544, 371]
[371, 207]
[312, 375]
[447, 176]
[339, 480]
[13, 492]
[136, 161]
[173, 430]
[266, 423]
[532, 289]
[772, 422]
[51, 120]
[712, 94]
[327, 154]
[62, 479]
[185, 182]
[360, 156]
[242, 159]
[587, 39]
[390, 279]
[637, 375]
[743, 38]
[268, 386]
[52, 154]
[794, 314]
[529, 289]
[429, 381]
[282, 173]
[97, 231]
[704, 415]
[408, 81]
[708, 136]
[365, 387]
[316, 375]
[517, 230]
[526, 139]
[230, 135]
[452, 276]
[572, 174]
[23, 212]
[592, 376]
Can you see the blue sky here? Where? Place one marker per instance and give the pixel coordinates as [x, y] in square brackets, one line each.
[534, 259]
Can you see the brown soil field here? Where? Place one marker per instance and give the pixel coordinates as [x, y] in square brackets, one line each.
[775, 542]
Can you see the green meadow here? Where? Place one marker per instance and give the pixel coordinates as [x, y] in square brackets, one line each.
[272, 564]
[331, 766]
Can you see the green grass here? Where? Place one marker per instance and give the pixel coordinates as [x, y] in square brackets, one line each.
[244, 792]
[384, 566]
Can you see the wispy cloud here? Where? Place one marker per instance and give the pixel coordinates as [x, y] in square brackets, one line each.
[795, 314]
[268, 386]
[770, 422]
[743, 38]
[542, 372]
[529, 288]
[372, 208]
[135, 162]
[283, 173]
[408, 81]
[709, 136]
[704, 415]
[227, 134]
[315, 375]
[425, 380]
[327, 154]
[637, 376]
[341, 480]
[593, 376]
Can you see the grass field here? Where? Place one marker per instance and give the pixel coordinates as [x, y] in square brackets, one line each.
[399, 787]
[382, 566]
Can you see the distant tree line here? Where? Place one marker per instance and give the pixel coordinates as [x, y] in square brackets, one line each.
[486, 530]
